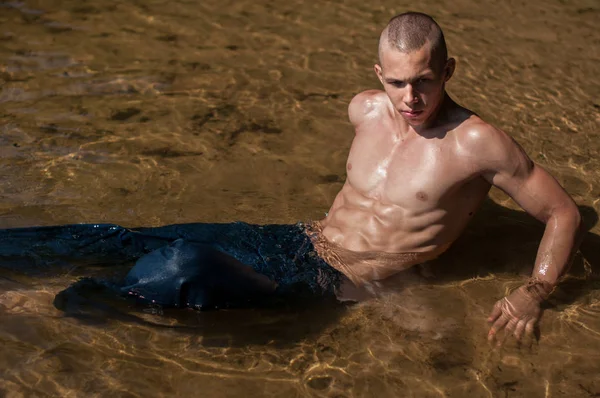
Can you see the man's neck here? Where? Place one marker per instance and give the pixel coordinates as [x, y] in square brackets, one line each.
[437, 118]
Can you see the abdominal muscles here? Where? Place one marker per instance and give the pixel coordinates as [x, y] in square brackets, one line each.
[359, 223]
[368, 236]
[369, 240]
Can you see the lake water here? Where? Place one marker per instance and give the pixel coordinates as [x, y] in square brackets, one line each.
[145, 113]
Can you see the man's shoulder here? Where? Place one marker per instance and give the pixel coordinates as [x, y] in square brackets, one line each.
[486, 144]
[367, 103]
[476, 135]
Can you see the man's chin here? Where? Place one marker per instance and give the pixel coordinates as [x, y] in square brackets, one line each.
[415, 122]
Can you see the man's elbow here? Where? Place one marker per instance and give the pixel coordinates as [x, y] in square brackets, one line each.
[568, 216]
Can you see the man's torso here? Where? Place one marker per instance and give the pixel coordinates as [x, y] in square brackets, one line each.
[405, 193]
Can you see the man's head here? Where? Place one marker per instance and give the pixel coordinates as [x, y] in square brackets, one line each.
[414, 66]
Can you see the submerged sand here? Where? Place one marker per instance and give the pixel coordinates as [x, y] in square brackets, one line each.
[146, 113]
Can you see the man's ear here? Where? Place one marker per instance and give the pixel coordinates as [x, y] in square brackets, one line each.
[378, 72]
[449, 69]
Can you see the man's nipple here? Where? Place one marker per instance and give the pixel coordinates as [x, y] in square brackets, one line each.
[349, 166]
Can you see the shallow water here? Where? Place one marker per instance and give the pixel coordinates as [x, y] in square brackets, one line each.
[154, 112]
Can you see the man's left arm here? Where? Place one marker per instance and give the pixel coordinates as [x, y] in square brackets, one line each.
[507, 166]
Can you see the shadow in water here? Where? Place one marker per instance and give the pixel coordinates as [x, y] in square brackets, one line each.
[501, 240]
[277, 325]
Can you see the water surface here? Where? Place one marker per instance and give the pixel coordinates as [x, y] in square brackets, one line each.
[146, 113]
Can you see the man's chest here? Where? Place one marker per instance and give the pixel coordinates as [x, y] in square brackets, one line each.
[415, 174]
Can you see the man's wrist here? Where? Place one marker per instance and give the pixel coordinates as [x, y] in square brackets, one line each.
[538, 289]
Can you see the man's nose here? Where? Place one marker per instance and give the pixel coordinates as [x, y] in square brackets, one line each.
[410, 95]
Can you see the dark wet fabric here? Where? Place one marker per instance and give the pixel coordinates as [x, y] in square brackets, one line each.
[184, 265]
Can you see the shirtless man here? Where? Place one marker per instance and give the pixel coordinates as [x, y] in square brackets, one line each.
[420, 165]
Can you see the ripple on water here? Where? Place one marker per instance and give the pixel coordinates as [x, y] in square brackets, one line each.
[147, 113]
[30, 61]
[579, 325]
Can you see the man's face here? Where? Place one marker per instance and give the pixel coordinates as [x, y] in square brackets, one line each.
[413, 82]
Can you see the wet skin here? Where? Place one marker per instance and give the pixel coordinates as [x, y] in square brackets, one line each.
[420, 165]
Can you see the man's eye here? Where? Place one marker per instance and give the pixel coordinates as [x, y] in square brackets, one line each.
[398, 84]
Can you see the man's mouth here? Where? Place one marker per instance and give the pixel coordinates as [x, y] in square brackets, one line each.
[411, 113]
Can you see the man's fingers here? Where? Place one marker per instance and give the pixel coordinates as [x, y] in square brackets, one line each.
[508, 330]
[510, 327]
[529, 329]
[496, 312]
[519, 330]
[497, 326]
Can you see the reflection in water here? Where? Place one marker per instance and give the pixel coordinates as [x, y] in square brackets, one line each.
[154, 113]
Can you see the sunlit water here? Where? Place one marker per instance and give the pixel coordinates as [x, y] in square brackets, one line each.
[145, 113]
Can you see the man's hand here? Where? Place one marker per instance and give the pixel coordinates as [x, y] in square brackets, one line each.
[519, 312]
